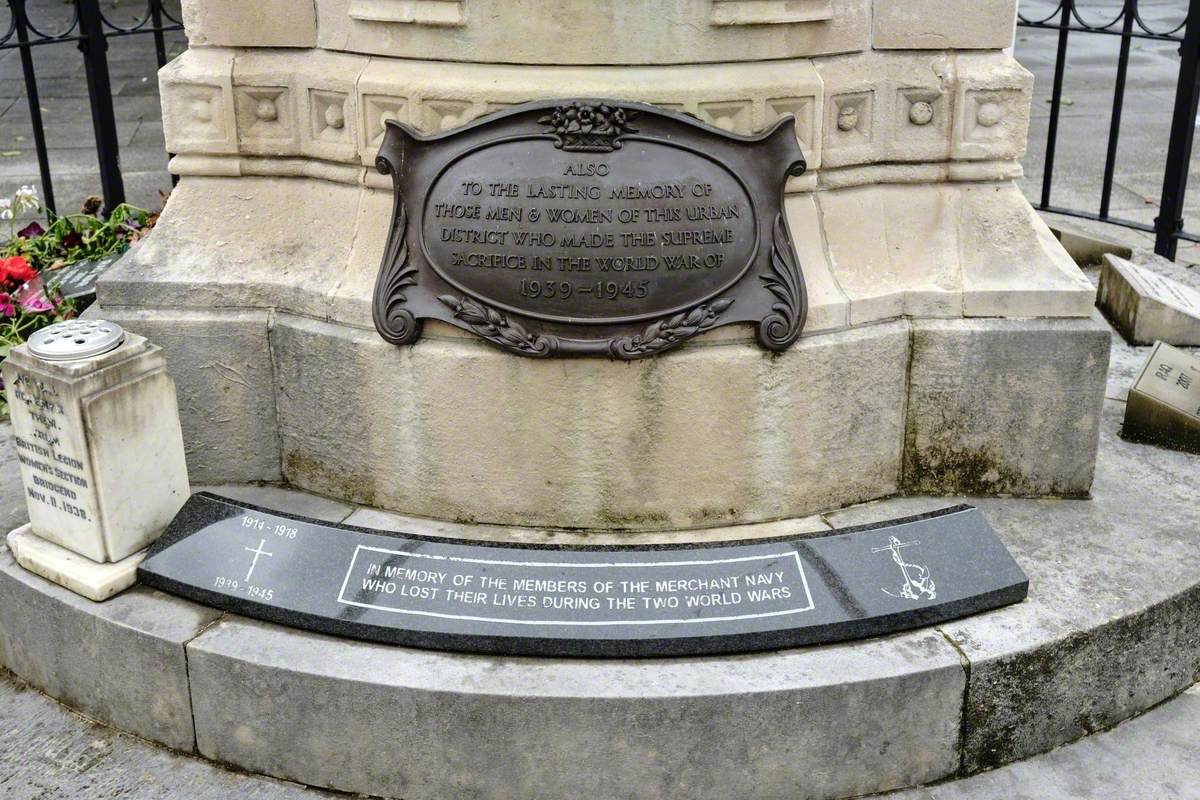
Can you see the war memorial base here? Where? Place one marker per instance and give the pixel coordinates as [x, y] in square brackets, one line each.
[1109, 630]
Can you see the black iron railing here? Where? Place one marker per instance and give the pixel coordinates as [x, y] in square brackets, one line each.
[90, 29]
[1129, 24]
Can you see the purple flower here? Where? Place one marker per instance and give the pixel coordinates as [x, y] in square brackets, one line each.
[7, 309]
[31, 231]
[36, 304]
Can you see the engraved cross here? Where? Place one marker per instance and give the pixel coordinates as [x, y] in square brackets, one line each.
[258, 551]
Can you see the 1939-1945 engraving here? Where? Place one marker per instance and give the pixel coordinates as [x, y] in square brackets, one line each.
[590, 228]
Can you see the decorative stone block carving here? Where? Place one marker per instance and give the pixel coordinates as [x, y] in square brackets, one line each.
[735, 116]
[769, 12]
[992, 119]
[377, 110]
[444, 115]
[197, 92]
[849, 126]
[921, 124]
[265, 120]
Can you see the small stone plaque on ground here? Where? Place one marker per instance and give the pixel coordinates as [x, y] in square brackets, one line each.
[78, 280]
[584, 601]
[1164, 404]
[1147, 307]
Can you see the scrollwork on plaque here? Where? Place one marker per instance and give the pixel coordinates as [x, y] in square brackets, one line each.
[395, 323]
[781, 328]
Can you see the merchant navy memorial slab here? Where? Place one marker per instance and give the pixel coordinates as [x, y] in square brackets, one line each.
[606, 398]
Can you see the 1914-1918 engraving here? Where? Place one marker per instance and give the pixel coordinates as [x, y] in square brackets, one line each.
[590, 228]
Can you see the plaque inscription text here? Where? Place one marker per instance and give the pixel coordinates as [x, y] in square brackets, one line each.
[590, 228]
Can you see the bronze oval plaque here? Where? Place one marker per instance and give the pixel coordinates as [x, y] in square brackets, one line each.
[590, 227]
[647, 230]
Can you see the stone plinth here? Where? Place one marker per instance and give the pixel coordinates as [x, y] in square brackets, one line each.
[101, 459]
[908, 226]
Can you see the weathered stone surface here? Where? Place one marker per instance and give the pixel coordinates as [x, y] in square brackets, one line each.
[81, 575]
[828, 307]
[121, 661]
[943, 24]
[264, 23]
[893, 252]
[1110, 626]
[240, 243]
[1147, 307]
[594, 31]
[13, 510]
[546, 728]
[461, 431]
[901, 250]
[1012, 266]
[398, 523]
[222, 369]
[101, 454]
[1004, 406]
[1098, 639]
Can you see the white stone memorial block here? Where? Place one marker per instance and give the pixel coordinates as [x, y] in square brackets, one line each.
[1147, 307]
[1164, 403]
[96, 430]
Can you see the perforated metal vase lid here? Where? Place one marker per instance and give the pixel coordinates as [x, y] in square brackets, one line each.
[76, 339]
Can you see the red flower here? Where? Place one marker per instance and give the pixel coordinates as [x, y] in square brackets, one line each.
[16, 269]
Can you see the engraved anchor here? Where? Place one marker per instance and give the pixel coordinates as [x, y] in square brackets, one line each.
[917, 582]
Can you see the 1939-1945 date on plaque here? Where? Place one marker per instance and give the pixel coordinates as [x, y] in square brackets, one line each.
[590, 227]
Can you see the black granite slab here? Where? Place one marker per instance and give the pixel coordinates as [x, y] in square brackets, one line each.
[604, 601]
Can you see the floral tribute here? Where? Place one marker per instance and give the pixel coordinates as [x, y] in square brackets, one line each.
[31, 257]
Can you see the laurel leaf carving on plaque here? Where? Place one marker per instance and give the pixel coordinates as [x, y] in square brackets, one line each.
[497, 328]
[666, 333]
